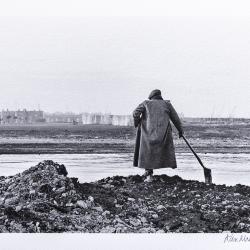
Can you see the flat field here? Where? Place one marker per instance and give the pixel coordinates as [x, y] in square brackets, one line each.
[207, 136]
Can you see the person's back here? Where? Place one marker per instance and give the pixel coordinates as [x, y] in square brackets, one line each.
[156, 119]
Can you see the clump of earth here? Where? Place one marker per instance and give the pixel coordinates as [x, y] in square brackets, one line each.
[43, 199]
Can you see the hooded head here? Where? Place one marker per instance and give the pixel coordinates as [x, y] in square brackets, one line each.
[155, 93]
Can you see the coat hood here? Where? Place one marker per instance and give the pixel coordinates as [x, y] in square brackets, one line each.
[155, 92]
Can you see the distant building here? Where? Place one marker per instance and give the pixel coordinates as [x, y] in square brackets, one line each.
[63, 118]
[21, 116]
[122, 120]
[29, 117]
[96, 118]
[108, 119]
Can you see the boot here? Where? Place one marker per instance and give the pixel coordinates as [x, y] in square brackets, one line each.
[147, 172]
[148, 175]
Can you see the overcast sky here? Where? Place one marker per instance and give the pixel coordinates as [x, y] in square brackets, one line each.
[110, 64]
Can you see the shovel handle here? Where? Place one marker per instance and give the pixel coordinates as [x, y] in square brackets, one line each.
[137, 145]
[197, 157]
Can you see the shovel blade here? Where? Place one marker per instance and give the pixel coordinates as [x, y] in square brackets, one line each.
[208, 175]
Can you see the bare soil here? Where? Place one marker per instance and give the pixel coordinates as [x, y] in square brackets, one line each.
[215, 136]
[43, 199]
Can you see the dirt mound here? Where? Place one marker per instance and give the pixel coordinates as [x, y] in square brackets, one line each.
[44, 199]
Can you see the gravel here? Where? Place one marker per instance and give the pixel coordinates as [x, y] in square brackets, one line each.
[43, 199]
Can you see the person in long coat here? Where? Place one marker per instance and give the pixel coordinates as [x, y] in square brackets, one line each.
[154, 141]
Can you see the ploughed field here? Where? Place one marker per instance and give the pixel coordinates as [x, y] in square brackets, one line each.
[207, 136]
[43, 199]
[210, 136]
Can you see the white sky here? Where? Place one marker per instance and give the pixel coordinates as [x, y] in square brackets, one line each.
[76, 63]
[124, 8]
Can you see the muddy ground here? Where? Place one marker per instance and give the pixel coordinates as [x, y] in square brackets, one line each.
[44, 199]
[206, 137]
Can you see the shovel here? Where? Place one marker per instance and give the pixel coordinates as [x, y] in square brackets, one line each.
[207, 171]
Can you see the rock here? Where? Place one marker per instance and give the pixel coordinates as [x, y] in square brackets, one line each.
[7, 180]
[118, 206]
[37, 228]
[99, 219]
[18, 208]
[242, 225]
[131, 199]
[99, 209]
[144, 220]
[11, 201]
[32, 192]
[60, 190]
[134, 222]
[246, 207]
[108, 186]
[34, 185]
[160, 231]
[143, 210]
[72, 192]
[105, 213]
[91, 199]
[236, 207]
[155, 216]
[236, 194]
[108, 229]
[82, 204]
[144, 230]
[160, 207]
[184, 207]
[135, 206]
[1, 201]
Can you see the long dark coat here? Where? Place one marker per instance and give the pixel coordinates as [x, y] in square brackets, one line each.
[154, 143]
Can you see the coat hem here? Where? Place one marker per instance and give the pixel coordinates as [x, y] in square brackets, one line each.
[173, 167]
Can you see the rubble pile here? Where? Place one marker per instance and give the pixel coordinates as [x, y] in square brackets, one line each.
[44, 199]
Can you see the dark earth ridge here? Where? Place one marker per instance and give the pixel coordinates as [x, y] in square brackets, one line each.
[44, 199]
